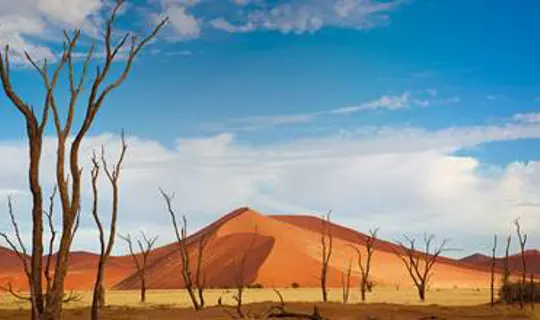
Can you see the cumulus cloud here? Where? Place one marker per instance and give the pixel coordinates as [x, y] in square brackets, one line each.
[24, 21]
[402, 179]
[186, 26]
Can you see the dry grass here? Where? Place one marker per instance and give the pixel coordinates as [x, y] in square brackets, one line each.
[385, 303]
[180, 299]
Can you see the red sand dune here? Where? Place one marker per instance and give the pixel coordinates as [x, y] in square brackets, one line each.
[532, 261]
[287, 250]
[81, 273]
[284, 250]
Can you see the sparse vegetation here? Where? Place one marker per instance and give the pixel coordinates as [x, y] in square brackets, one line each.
[255, 286]
[514, 292]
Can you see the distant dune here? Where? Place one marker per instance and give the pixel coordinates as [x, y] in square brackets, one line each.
[284, 250]
[532, 261]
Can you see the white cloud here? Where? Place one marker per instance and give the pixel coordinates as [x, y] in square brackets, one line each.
[402, 179]
[301, 16]
[185, 24]
[179, 53]
[527, 117]
[242, 2]
[262, 122]
[384, 102]
[222, 24]
[24, 23]
[73, 12]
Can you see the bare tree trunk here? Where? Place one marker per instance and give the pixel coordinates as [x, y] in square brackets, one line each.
[493, 270]
[533, 291]
[422, 292]
[346, 283]
[326, 244]
[113, 176]
[522, 242]
[36, 267]
[98, 294]
[143, 290]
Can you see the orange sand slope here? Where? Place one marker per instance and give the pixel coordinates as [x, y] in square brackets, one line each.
[287, 250]
[275, 251]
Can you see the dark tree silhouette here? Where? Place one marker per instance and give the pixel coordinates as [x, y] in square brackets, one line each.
[365, 267]
[493, 257]
[145, 244]
[326, 252]
[346, 283]
[522, 238]
[105, 245]
[181, 237]
[419, 264]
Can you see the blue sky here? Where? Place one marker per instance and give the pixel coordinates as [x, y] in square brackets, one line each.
[270, 93]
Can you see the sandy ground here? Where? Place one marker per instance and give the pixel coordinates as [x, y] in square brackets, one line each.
[384, 303]
[331, 311]
[180, 299]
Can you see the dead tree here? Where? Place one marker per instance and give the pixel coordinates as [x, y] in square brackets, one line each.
[145, 244]
[493, 259]
[365, 267]
[346, 283]
[181, 237]
[22, 253]
[106, 245]
[522, 243]
[279, 311]
[326, 246]
[532, 294]
[419, 264]
[48, 305]
[506, 266]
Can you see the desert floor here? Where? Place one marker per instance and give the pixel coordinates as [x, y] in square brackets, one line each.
[384, 303]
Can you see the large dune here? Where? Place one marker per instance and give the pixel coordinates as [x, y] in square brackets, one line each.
[249, 247]
[287, 250]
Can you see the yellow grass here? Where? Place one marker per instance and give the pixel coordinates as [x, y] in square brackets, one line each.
[180, 299]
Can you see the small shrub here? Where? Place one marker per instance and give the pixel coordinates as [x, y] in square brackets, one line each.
[370, 284]
[295, 285]
[510, 292]
[255, 286]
